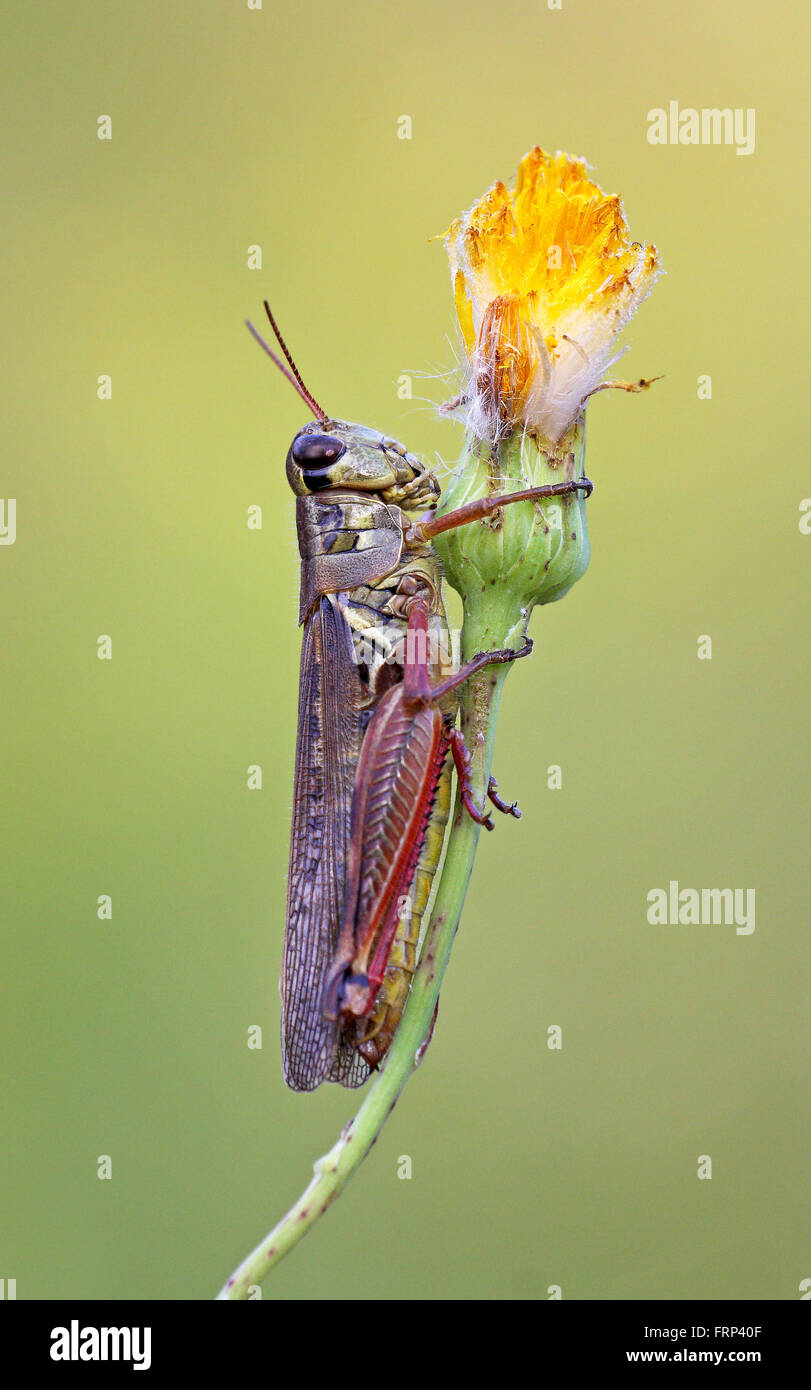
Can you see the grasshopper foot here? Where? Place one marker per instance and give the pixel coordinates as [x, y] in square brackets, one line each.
[510, 808]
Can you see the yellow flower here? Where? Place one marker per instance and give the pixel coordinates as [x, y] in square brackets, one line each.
[545, 275]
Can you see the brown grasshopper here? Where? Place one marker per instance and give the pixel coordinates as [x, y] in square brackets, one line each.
[376, 736]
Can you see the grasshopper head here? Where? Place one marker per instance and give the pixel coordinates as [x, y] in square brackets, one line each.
[336, 454]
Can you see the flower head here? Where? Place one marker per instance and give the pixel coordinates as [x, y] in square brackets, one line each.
[545, 276]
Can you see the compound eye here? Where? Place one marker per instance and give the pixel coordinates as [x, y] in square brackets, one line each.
[316, 451]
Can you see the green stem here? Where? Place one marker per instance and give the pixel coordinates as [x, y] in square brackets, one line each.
[480, 701]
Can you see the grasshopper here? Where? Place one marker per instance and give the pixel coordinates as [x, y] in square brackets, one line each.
[376, 739]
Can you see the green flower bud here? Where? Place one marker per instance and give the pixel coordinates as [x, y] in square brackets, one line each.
[526, 552]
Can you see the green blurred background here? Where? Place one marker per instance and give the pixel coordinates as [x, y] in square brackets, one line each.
[530, 1167]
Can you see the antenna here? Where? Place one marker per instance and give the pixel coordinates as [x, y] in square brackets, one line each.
[293, 376]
